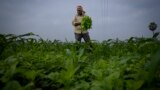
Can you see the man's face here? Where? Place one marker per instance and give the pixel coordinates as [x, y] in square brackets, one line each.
[79, 10]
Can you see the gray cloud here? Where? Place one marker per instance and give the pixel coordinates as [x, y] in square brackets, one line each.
[51, 19]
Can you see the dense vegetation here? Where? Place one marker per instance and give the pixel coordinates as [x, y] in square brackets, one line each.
[31, 64]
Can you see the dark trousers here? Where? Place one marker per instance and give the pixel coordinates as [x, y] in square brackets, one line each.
[86, 38]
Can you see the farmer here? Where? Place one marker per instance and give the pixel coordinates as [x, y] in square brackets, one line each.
[79, 33]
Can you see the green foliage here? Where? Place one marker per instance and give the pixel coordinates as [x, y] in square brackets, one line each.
[30, 64]
[86, 23]
[13, 85]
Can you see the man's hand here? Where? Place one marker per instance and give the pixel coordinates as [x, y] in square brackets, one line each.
[76, 24]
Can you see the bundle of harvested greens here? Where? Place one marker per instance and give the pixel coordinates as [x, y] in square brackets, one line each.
[86, 23]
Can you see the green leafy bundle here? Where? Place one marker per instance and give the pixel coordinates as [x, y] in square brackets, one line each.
[86, 23]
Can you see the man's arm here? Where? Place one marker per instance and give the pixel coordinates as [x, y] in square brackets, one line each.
[75, 23]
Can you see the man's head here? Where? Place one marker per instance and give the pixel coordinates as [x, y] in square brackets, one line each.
[80, 10]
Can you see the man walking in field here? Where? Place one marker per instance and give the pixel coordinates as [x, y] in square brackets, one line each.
[79, 33]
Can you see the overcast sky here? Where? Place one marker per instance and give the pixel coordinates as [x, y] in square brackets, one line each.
[51, 19]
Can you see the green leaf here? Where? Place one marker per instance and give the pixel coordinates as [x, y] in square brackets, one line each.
[82, 85]
[68, 52]
[30, 74]
[96, 88]
[134, 85]
[81, 52]
[112, 79]
[11, 69]
[53, 76]
[12, 85]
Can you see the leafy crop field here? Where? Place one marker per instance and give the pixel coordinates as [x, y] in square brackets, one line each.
[31, 64]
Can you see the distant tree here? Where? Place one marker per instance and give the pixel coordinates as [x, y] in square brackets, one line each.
[153, 26]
